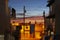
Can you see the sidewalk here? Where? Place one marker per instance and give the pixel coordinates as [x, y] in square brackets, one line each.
[1, 37]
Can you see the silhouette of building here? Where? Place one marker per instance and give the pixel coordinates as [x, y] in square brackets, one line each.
[54, 6]
[13, 13]
[51, 16]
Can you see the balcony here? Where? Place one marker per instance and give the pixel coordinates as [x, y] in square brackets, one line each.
[51, 16]
[50, 2]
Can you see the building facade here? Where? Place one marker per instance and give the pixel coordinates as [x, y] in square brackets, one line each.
[55, 14]
[4, 19]
[51, 17]
[33, 28]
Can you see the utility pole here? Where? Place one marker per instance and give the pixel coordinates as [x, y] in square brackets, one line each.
[24, 10]
[44, 25]
[24, 14]
[44, 19]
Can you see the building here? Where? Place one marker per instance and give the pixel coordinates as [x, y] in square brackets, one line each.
[37, 23]
[51, 17]
[4, 19]
[54, 14]
[12, 15]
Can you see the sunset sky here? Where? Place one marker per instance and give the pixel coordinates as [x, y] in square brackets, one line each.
[33, 7]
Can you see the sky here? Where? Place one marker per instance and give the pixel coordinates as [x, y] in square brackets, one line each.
[33, 7]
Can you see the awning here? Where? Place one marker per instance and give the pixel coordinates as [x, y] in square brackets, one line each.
[50, 2]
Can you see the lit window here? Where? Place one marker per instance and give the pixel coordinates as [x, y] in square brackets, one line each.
[27, 34]
[27, 27]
